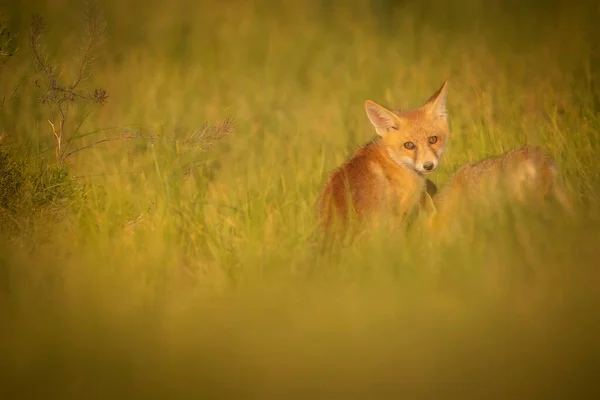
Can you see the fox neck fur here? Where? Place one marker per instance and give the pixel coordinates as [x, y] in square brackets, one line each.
[371, 184]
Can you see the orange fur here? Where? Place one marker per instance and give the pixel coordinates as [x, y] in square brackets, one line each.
[386, 177]
[523, 174]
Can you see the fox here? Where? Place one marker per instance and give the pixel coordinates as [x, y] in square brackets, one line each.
[387, 176]
[523, 175]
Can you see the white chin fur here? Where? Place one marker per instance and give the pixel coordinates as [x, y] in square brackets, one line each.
[405, 161]
[410, 163]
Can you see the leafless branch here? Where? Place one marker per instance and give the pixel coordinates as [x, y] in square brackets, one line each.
[37, 29]
[206, 135]
[93, 38]
[124, 137]
[53, 129]
[62, 96]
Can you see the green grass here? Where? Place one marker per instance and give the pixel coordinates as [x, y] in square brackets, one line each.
[158, 270]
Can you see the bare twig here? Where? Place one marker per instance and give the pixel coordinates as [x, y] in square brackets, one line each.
[95, 27]
[206, 135]
[37, 28]
[64, 97]
[97, 143]
[61, 95]
[58, 139]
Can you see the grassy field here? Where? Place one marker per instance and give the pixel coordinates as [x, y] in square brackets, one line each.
[155, 267]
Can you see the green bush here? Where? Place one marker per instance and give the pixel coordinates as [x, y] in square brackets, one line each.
[11, 179]
[28, 187]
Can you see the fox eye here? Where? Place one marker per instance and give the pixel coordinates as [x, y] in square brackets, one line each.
[432, 139]
[409, 145]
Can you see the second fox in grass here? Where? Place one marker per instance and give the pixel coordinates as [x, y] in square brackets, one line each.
[387, 176]
[523, 175]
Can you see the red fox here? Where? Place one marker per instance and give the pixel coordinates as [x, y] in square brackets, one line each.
[387, 176]
[523, 174]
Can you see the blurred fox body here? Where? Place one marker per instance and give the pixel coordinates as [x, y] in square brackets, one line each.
[522, 175]
[386, 177]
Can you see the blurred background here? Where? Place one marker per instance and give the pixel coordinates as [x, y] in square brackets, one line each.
[166, 247]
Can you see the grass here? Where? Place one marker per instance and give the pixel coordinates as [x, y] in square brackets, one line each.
[154, 269]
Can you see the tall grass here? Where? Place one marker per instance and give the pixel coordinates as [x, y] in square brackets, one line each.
[164, 270]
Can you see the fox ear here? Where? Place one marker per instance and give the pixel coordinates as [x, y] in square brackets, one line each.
[436, 105]
[382, 119]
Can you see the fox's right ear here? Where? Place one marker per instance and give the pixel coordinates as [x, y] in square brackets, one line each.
[382, 119]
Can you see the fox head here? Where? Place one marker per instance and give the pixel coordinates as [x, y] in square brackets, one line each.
[416, 138]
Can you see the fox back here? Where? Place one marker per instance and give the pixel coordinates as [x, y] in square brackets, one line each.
[524, 174]
[388, 174]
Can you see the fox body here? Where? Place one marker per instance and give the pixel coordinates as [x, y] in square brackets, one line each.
[523, 174]
[387, 176]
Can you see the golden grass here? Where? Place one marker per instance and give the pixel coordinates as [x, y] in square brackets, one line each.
[178, 272]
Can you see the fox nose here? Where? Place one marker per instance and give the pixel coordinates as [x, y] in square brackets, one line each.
[428, 165]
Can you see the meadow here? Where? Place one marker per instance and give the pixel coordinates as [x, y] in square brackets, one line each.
[178, 258]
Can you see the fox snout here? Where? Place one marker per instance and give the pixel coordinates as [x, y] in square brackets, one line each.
[427, 162]
[428, 166]
[423, 166]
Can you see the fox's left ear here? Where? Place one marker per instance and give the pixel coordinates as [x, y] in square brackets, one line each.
[436, 105]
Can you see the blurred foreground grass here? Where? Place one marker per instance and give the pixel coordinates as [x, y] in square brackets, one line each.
[147, 268]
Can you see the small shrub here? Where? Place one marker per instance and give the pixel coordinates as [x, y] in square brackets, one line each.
[11, 179]
[28, 187]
